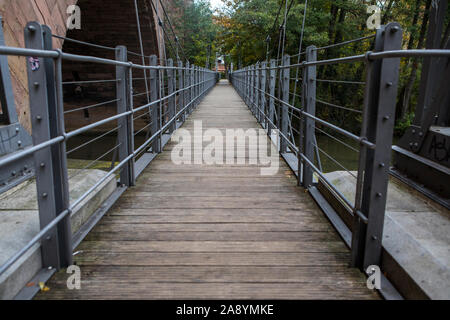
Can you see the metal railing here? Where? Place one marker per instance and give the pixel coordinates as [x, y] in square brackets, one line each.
[270, 91]
[173, 93]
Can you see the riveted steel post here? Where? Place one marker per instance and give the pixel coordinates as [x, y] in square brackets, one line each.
[257, 79]
[284, 110]
[252, 88]
[249, 85]
[198, 85]
[245, 86]
[203, 82]
[272, 82]
[310, 108]
[263, 85]
[187, 83]
[192, 88]
[59, 157]
[40, 120]
[123, 90]
[380, 127]
[170, 91]
[181, 95]
[153, 97]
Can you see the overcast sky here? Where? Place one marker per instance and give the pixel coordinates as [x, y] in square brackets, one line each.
[216, 3]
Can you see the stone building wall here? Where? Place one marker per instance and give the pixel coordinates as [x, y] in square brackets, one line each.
[105, 22]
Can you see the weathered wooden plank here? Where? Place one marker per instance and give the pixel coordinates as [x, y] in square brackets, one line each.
[124, 218]
[236, 214]
[320, 275]
[212, 259]
[143, 290]
[213, 236]
[212, 246]
[216, 227]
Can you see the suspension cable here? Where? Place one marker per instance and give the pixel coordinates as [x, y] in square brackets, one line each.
[173, 32]
[142, 47]
[299, 51]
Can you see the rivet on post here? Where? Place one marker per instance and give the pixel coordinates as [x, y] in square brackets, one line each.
[395, 29]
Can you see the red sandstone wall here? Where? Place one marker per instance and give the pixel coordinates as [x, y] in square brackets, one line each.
[16, 14]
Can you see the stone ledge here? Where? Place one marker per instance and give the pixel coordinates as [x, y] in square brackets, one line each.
[19, 223]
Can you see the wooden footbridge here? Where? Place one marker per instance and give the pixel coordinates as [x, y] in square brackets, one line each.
[214, 232]
[221, 230]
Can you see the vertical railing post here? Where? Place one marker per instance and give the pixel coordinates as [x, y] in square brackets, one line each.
[187, 91]
[263, 84]
[257, 95]
[199, 87]
[154, 109]
[125, 133]
[202, 86]
[192, 88]
[249, 83]
[245, 86]
[284, 112]
[50, 162]
[181, 95]
[309, 82]
[57, 128]
[272, 82]
[203, 81]
[378, 126]
[252, 89]
[170, 91]
[194, 92]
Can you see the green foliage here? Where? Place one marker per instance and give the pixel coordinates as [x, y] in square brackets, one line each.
[246, 24]
[403, 124]
[196, 30]
[241, 29]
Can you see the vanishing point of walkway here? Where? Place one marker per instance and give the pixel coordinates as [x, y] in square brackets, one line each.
[213, 232]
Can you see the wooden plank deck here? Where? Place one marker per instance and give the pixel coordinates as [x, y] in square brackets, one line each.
[214, 232]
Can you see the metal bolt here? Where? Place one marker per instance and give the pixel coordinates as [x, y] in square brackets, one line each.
[395, 29]
[42, 165]
[50, 268]
[389, 84]
[17, 129]
[44, 195]
[374, 238]
[420, 134]
[32, 28]
[413, 131]
[385, 118]
[25, 168]
[48, 238]
[382, 165]
[39, 118]
[379, 195]
[36, 84]
[19, 143]
[13, 173]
